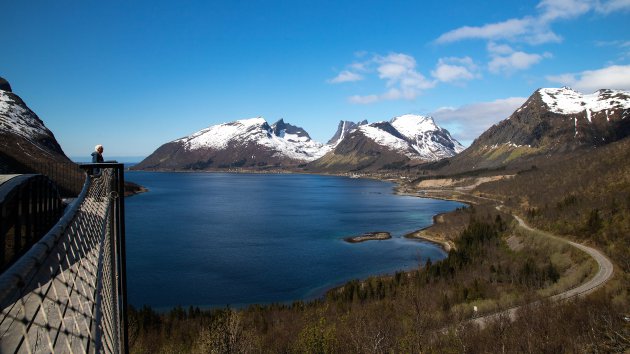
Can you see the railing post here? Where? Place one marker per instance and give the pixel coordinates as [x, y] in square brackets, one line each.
[4, 230]
[19, 223]
[120, 214]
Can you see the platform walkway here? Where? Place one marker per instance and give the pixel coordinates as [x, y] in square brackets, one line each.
[67, 293]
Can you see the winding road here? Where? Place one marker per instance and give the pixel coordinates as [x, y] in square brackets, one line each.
[604, 273]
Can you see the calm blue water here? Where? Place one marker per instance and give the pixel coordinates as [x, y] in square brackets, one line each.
[211, 239]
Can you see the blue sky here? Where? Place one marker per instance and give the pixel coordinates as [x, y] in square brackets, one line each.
[132, 75]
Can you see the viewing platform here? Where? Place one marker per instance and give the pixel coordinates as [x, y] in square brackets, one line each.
[63, 289]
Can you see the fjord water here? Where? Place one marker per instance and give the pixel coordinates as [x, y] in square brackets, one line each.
[214, 239]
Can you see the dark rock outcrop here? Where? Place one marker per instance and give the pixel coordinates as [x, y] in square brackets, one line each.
[4, 85]
[280, 129]
[344, 127]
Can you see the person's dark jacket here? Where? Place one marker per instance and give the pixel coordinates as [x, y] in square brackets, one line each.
[96, 157]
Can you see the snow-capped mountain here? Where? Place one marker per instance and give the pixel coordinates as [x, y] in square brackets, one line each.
[17, 119]
[27, 146]
[344, 127]
[243, 143]
[404, 140]
[283, 140]
[561, 117]
[568, 101]
[552, 120]
[415, 136]
[22, 132]
[253, 143]
[427, 139]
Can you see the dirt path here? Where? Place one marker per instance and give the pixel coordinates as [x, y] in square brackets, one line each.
[604, 273]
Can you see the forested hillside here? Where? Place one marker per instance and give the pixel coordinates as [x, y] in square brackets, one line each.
[586, 197]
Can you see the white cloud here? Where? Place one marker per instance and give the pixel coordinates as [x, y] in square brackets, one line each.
[500, 30]
[455, 69]
[528, 29]
[534, 29]
[448, 73]
[363, 99]
[612, 6]
[513, 62]
[402, 80]
[623, 47]
[499, 49]
[468, 122]
[345, 76]
[542, 34]
[563, 9]
[612, 77]
[614, 43]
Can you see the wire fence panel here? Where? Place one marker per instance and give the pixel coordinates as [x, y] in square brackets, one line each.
[64, 294]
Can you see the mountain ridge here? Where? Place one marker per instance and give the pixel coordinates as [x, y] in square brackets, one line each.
[403, 141]
[552, 121]
[254, 144]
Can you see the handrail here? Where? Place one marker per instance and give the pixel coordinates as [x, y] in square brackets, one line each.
[68, 292]
[29, 206]
[26, 266]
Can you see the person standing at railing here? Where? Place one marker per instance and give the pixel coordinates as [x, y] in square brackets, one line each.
[97, 157]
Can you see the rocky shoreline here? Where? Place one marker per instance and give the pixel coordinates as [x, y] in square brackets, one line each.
[425, 235]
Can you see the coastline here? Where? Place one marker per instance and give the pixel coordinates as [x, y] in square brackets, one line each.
[425, 235]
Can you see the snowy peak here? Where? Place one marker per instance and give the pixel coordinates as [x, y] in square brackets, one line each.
[552, 121]
[253, 143]
[417, 137]
[281, 139]
[344, 127]
[289, 132]
[26, 145]
[401, 142]
[219, 136]
[427, 138]
[384, 134]
[568, 101]
[410, 125]
[16, 118]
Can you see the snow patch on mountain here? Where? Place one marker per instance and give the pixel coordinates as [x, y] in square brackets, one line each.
[568, 101]
[411, 125]
[219, 136]
[386, 139]
[18, 119]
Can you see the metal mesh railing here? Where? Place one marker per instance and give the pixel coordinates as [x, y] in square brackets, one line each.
[66, 294]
